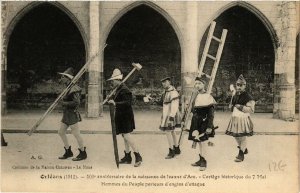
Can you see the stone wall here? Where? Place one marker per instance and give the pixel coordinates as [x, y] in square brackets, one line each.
[190, 21]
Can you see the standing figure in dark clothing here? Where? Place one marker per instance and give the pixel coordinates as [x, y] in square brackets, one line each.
[71, 117]
[202, 126]
[124, 118]
[240, 124]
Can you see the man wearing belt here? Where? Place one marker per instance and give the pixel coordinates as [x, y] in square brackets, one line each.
[71, 117]
[170, 116]
[202, 126]
[240, 125]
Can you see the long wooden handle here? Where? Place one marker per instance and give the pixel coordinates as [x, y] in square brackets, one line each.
[115, 89]
[64, 92]
[186, 114]
[230, 104]
[114, 133]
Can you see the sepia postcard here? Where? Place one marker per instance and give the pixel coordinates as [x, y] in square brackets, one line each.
[150, 96]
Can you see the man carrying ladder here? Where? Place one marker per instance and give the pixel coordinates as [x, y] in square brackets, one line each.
[201, 102]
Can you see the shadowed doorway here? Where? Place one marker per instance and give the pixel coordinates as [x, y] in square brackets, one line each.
[43, 42]
[144, 36]
[249, 51]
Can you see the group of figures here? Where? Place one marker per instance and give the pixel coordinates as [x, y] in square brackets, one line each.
[201, 129]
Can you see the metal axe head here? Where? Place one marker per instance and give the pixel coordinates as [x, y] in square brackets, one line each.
[137, 66]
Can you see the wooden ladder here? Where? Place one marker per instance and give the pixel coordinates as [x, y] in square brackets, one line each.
[211, 77]
[216, 58]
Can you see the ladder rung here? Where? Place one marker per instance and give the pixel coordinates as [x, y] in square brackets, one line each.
[211, 57]
[217, 39]
[208, 76]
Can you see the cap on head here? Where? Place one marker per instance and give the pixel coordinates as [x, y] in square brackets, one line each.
[116, 75]
[202, 79]
[241, 80]
[68, 73]
[166, 78]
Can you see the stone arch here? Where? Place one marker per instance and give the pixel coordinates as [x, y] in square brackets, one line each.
[251, 67]
[32, 5]
[153, 6]
[8, 31]
[257, 13]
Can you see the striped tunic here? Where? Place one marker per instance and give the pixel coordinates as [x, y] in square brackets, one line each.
[170, 109]
[240, 123]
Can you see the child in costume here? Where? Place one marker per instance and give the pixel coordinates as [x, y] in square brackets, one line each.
[240, 124]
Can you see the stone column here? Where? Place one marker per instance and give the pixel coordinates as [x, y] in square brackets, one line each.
[94, 87]
[190, 48]
[284, 104]
[3, 58]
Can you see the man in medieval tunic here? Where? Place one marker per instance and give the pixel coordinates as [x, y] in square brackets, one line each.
[71, 117]
[240, 124]
[124, 118]
[202, 126]
[170, 116]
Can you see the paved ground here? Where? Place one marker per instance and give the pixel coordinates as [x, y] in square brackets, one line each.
[271, 165]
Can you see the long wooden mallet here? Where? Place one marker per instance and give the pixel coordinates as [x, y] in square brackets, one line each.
[65, 91]
[136, 66]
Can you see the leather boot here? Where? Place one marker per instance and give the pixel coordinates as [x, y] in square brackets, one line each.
[126, 159]
[197, 163]
[81, 156]
[138, 159]
[3, 142]
[177, 150]
[203, 164]
[68, 153]
[240, 156]
[171, 154]
[246, 150]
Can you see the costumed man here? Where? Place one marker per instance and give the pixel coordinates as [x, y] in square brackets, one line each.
[71, 117]
[170, 116]
[240, 124]
[124, 117]
[202, 126]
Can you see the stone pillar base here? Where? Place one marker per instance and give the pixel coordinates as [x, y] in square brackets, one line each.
[3, 93]
[286, 105]
[187, 82]
[93, 106]
[3, 106]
